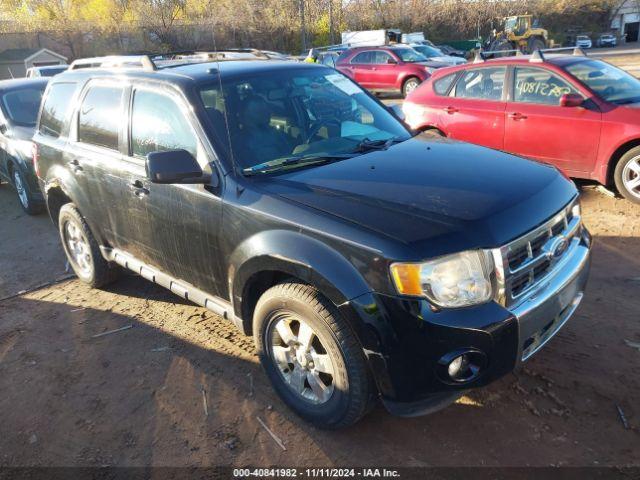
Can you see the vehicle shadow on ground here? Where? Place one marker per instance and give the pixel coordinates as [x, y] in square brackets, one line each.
[135, 396]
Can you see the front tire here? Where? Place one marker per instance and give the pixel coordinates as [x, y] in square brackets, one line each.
[409, 85]
[627, 175]
[311, 356]
[82, 249]
[25, 196]
[535, 43]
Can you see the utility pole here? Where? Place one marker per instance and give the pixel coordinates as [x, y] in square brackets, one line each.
[331, 40]
[303, 33]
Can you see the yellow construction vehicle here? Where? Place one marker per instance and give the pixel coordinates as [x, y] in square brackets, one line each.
[520, 32]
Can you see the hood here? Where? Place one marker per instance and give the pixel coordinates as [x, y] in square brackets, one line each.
[434, 64]
[436, 196]
[450, 60]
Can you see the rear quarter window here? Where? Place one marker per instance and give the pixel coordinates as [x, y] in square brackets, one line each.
[442, 85]
[56, 108]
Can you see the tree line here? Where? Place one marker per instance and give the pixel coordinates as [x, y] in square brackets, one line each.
[95, 27]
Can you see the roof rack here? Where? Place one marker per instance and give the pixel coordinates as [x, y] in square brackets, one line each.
[131, 61]
[481, 54]
[538, 55]
[155, 61]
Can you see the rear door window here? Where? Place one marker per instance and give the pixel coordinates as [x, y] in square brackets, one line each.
[364, 58]
[382, 58]
[481, 83]
[101, 116]
[158, 124]
[539, 85]
[56, 108]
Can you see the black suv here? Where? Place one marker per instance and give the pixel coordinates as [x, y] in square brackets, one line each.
[366, 262]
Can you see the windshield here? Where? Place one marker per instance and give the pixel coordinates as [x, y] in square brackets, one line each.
[427, 51]
[21, 106]
[510, 23]
[582, 37]
[409, 55]
[609, 82]
[51, 71]
[310, 113]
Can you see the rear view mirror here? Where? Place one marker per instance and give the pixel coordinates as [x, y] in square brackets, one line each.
[571, 100]
[174, 166]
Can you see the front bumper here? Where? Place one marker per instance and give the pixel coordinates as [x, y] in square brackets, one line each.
[405, 340]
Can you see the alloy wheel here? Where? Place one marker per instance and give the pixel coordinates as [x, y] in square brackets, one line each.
[20, 188]
[410, 86]
[631, 176]
[301, 358]
[78, 248]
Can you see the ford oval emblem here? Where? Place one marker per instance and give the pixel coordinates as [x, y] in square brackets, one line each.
[556, 246]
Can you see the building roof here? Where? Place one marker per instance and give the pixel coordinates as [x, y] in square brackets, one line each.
[22, 54]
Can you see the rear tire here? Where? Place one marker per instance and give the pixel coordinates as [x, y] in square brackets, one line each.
[501, 45]
[409, 85]
[627, 175]
[311, 356]
[83, 252]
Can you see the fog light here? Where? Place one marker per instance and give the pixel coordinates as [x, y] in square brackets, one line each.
[462, 366]
[461, 369]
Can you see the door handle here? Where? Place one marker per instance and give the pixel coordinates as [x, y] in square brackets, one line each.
[139, 190]
[75, 165]
[451, 110]
[517, 116]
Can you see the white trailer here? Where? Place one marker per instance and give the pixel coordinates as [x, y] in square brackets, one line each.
[370, 38]
[414, 37]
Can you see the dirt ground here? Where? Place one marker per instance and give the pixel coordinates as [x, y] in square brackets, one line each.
[135, 397]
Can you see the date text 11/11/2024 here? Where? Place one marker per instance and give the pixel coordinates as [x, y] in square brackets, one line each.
[316, 473]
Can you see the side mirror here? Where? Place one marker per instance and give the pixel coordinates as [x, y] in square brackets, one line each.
[3, 128]
[391, 61]
[174, 166]
[397, 111]
[571, 100]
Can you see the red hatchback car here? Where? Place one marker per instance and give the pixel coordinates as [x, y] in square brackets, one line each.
[575, 112]
[387, 68]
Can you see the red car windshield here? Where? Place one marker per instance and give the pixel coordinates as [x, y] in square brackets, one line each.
[610, 83]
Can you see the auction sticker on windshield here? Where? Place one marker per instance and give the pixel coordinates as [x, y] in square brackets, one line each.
[344, 84]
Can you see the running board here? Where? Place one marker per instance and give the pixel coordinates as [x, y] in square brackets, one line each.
[179, 287]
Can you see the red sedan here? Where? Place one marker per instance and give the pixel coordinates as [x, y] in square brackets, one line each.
[575, 112]
[387, 68]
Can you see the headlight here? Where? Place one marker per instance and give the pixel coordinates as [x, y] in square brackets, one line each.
[575, 210]
[457, 280]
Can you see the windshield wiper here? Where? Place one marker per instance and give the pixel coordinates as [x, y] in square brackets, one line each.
[366, 145]
[280, 163]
